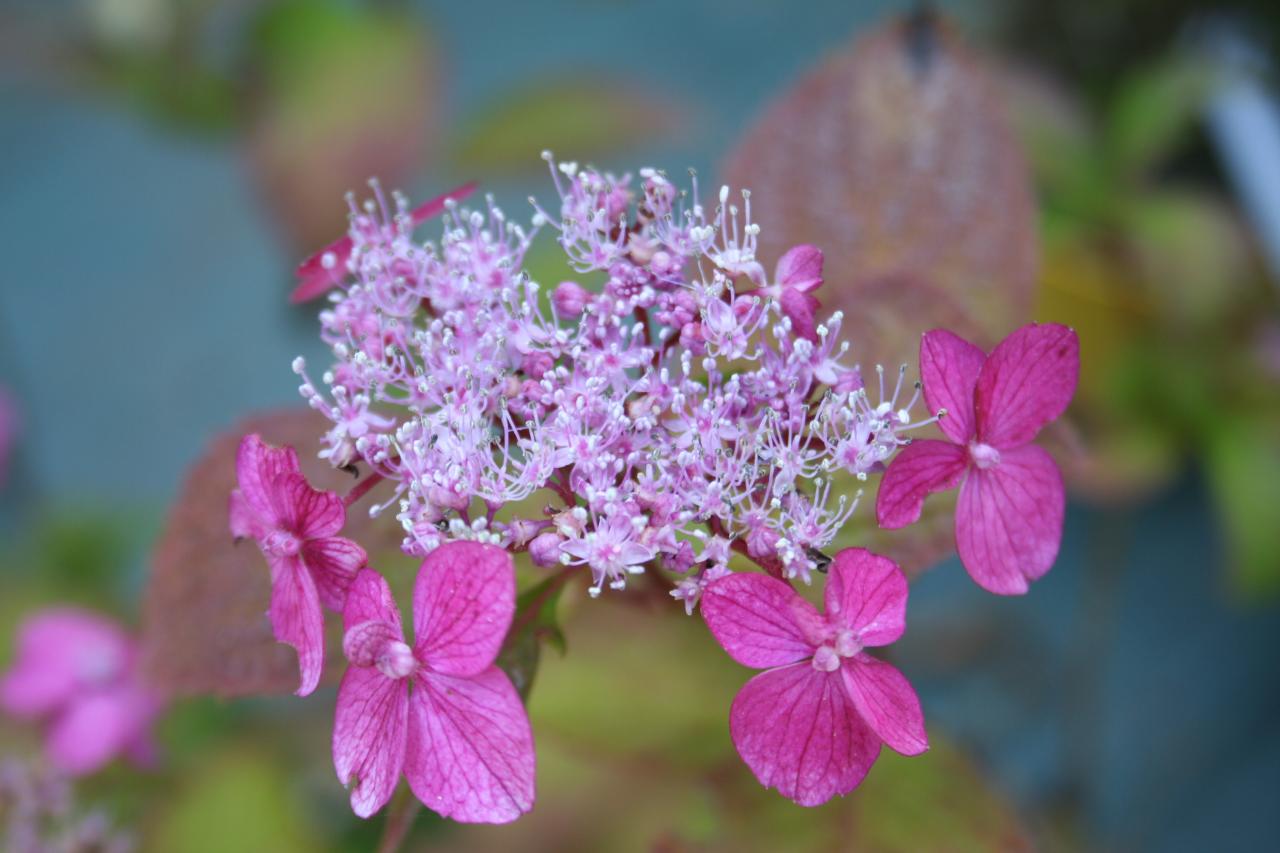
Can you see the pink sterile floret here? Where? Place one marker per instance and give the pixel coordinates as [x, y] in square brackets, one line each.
[79, 672]
[1009, 515]
[439, 711]
[296, 527]
[812, 723]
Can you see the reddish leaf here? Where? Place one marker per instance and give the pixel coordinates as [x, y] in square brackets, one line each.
[895, 159]
[205, 628]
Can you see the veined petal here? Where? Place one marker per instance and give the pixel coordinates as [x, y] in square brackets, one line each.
[761, 621]
[949, 368]
[242, 519]
[867, 594]
[369, 599]
[800, 268]
[297, 619]
[258, 464]
[918, 470]
[305, 511]
[1009, 520]
[463, 601]
[798, 731]
[369, 736]
[434, 207]
[1027, 381]
[802, 309]
[470, 749]
[333, 562]
[887, 702]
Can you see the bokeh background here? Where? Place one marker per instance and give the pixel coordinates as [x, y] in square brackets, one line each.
[165, 163]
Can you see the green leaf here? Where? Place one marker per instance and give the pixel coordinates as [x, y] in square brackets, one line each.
[1152, 114]
[535, 621]
[1243, 465]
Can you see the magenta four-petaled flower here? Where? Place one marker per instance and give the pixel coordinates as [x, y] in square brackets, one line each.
[297, 529]
[439, 711]
[1009, 517]
[812, 724]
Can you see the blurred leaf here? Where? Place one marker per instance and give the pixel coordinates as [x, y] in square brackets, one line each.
[1243, 462]
[1153, 112]
[583, 117]
[1191, 254]
[535, 620]
[239, 801]
[894, 157]
[205, 628]
[344, 92]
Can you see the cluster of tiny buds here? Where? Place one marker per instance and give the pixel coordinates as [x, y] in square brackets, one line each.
[679, 404]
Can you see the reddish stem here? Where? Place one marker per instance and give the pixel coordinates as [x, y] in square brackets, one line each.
[361, 488]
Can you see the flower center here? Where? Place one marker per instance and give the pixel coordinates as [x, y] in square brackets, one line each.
[984, 456]
[281, 543]
[396, 660]
[829, 655]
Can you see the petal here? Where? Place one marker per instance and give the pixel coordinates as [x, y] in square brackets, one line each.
[949, 368]
[314, 279]
[886, 701]
[921, 468]
[257, 466]
[1027, 381]
[463, 602]
[369, 736]
[436, 206]
[470, 755]
[333, 562]
[761, 621]
[297, 619]
[1009, 520]
[307, 512]
[800, 268]
[797, 729]
[802, 310]
[369, 599]
[243, 520]
[58, 652]
[867, 593]
[93, 730]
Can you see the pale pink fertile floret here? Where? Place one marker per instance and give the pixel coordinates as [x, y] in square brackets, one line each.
[296, 527]
[439, 711]
[78, 672]
[812, 724]
[325, 270]
[1009, 516]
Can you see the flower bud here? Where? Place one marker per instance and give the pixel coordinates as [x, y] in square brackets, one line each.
[570, 298]
[545, 549]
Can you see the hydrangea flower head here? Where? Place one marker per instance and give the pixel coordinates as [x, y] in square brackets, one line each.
[78, 672]
[297, 528]
[812, 723]
[1009, 517]
[439, 712]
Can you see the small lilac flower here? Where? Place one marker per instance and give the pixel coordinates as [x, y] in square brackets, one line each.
[78, 672]
[439, 711]
[323, 271]
[812, 723]
[296, 528]
[1009, 517]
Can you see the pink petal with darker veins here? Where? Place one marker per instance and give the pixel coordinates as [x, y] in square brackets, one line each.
[886, 701]
[93, 730]
[802, 310]
[369, 735]
[369, 599]
[314, 280]
[761, 621]
[58, 652]
[257, 466]
[463, 601]
[867, 594]
[949, 368]
[800, 268]
[333, 562]
[307, 512]
[470, 750]
[798, 731]
[1027, 381]
[1009, 520]
[297, 619]
[921, 468]
[244, 520]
